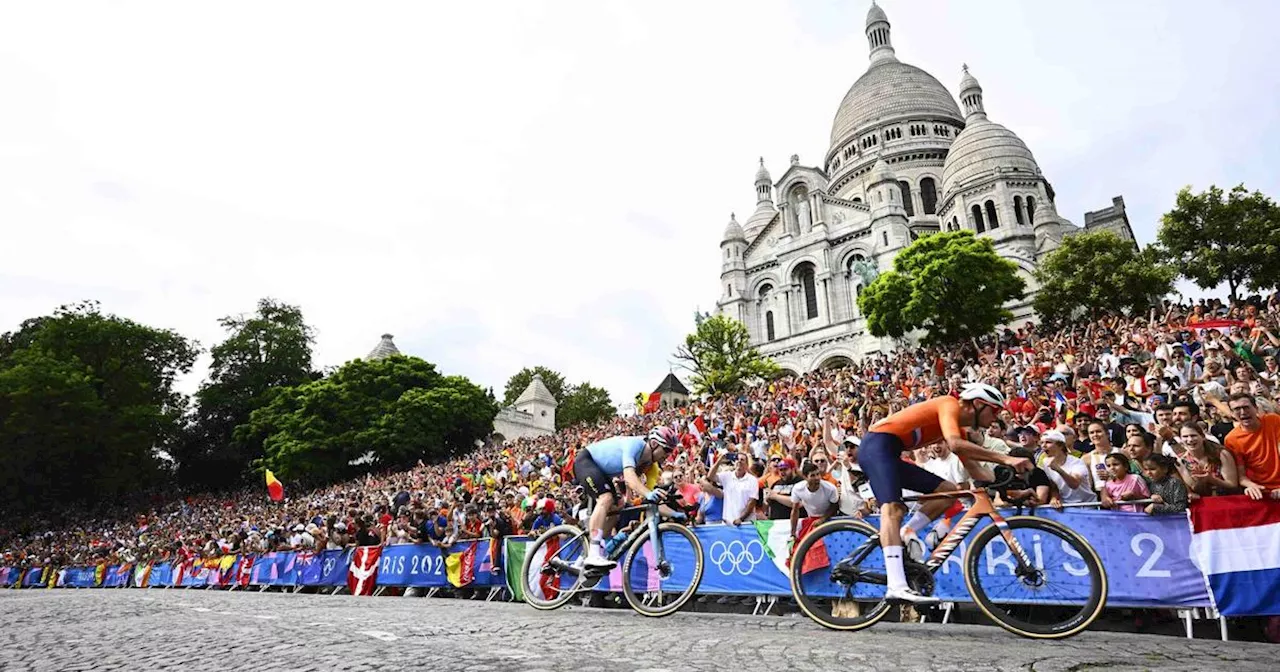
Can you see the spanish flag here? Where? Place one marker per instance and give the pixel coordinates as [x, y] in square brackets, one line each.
[274, 487]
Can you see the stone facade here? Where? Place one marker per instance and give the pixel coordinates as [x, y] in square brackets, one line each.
[533, 414]
[904, 161]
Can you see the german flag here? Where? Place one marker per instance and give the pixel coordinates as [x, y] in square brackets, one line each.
[274, 487]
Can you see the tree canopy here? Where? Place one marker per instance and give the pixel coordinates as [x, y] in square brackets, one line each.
[86, 405]
[584, 403]
[1215, 237]
[952, 285]
[382, 413]
[720, 356]
[1096, 273]
[517, 383]
[263, 352]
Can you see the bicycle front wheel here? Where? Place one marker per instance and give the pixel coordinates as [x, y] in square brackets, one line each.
[838, 575]
[548, 578]
[658, 584]
[1059, 595]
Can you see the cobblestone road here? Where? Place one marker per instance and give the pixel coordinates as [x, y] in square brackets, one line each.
[158, 630]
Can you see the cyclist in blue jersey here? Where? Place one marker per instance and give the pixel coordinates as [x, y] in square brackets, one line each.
[628, 456]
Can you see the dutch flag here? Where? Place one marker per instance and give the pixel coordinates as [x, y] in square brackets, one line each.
[1235, 541]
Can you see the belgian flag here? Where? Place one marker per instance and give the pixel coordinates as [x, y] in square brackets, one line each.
[274, 487]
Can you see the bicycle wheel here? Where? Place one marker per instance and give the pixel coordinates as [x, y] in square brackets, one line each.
[546, 575]
[1063, 593]
[838, 575]
[660, 586]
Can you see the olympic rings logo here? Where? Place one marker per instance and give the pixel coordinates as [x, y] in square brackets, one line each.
[736, 557]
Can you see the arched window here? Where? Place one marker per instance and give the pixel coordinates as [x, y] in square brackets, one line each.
[929, 196]
[809, 287]
[1031, 210]
[768, 325]
[992, 220]
[905, 188]
[977, 218]
[857, 199]
[1017, 210]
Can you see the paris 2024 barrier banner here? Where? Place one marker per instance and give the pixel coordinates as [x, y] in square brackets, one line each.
[1146, 558]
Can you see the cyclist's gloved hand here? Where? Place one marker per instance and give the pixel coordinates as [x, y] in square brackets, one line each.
[679, 516]
[655, 496]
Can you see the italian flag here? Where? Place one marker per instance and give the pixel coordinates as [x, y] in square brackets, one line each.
[775, 537]
[515, 553]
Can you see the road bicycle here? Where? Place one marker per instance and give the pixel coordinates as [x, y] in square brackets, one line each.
[652, 584]
[1040, 579]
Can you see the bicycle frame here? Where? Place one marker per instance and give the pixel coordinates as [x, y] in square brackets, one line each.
[982, 508]
[650, 527]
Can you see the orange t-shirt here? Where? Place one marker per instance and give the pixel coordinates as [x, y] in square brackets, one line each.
[1259, 451]
[923, 423]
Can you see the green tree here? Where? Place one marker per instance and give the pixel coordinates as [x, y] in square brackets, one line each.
[516, 384]
[952, 285]
[87, 404]
[1215, 237]
[720, 356]
[1091, 274]
[399, 409]
[263, 352]
[584, 403]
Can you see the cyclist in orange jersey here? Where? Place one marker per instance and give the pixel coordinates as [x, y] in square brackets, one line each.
[880, 456]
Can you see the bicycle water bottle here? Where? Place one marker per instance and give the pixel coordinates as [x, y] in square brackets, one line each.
[611, 544]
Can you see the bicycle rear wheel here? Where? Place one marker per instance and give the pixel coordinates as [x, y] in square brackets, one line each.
[838, 575]
[660, 586]
[1062, 594]
[547, 575]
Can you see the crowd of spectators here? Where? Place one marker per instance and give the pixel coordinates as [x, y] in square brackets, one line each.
[1138, 414]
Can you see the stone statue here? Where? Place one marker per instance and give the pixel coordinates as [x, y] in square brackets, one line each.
[802, 214]
[866, 270]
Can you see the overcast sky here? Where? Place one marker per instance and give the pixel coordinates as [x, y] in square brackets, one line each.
[502, 184]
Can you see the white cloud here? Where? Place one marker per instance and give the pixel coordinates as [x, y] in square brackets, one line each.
[509, 184]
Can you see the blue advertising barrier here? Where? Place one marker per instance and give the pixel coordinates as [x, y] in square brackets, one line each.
[118, 576]
[275, 569]
[161, 575]
[424, 566]
[32, 577]
[1146, 558]
[78, 577]
[328, 568]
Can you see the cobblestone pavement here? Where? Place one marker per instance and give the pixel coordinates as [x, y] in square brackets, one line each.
[166, 629]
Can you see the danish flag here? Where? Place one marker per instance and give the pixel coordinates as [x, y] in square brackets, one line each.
[364, 570]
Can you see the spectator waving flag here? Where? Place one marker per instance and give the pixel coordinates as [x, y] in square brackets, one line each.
[363, 574]
[775, 536]
[535, 580]
[1235, 541]
[274, 487]
[460, 568]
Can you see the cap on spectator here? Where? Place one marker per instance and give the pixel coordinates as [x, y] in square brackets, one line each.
[340, 526]
[1028, 429]
[787, 463]
[1054, 435]
[299, 528]
[549, 505]
[852, 440]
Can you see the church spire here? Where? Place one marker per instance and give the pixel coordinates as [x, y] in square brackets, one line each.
[971, 95]
[878, 35]
[764, 185]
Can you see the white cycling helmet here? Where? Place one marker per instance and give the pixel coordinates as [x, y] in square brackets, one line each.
[982, 392]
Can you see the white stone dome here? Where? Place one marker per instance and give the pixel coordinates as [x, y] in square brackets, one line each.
[733, 230]
[759, 219]
[981, 148]
[891, 89]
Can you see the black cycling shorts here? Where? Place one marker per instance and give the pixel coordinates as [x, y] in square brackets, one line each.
[880, 456]
[592, 479]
